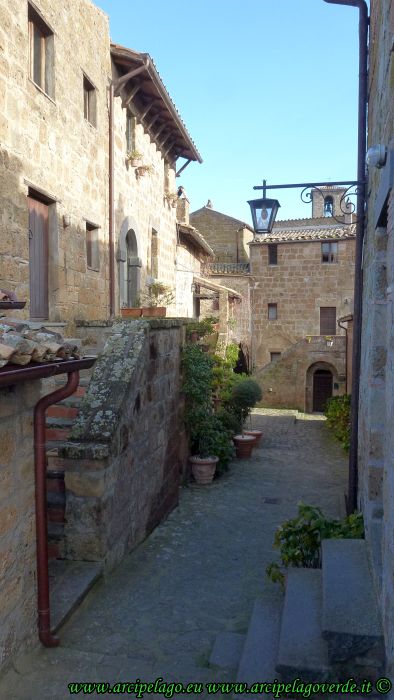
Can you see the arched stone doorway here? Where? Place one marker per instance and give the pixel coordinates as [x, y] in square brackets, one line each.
[129, 263]
[320, 380]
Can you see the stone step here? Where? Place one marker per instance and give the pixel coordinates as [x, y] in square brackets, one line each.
[350, 618]
[259, 653]
[61, 410]
[58, 428]
[227, 651]
[70, 581]
[302, 650]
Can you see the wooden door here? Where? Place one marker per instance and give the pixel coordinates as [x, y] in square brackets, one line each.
[322, 389]
[38, 258]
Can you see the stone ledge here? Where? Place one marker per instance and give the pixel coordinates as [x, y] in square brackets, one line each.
[84, 450]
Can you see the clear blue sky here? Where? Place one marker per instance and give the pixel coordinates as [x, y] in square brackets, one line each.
[266, 88]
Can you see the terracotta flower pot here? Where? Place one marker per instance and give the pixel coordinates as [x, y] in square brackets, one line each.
[203, 469]
[154, 311]
[244, 445]
[258, 434]
[131, 312]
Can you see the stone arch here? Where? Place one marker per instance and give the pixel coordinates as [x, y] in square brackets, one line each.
[314, 371]
[129, 261]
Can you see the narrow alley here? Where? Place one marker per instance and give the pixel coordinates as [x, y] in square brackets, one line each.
[197, 575]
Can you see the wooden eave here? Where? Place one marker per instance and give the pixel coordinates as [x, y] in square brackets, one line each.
[145, 94]
[188, 234]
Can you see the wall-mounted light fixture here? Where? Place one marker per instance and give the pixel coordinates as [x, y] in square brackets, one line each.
[377, 156]
[66, 220]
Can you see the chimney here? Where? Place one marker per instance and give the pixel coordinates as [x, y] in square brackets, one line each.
[182, 210]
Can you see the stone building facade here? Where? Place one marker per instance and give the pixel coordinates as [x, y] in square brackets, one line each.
[375, 455]
[296, 283]
[302, 284]
[69, 194]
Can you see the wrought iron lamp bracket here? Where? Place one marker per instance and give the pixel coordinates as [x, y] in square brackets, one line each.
[347, 206]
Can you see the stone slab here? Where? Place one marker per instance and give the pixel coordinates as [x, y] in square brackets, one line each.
[70, 581]
[302, 649]
[259, 653]
[227, 650]
[350, 618]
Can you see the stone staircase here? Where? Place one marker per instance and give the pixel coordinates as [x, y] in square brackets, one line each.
[327, 628]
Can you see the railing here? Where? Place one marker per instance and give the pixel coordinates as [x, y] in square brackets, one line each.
[220, 268]
[324, 342]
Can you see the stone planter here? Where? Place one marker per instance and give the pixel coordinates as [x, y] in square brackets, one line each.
[154, 311]
[258, 434]
[203, 469]
[244, 445]
[131, 312]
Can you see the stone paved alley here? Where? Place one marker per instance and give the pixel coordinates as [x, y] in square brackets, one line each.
[198, 574]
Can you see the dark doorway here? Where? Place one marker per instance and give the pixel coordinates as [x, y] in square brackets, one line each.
[38, 258]
[322, 389]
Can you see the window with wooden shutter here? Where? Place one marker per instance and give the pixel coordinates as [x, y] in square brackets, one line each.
[92, 247]
[328, 320]
[41, 60]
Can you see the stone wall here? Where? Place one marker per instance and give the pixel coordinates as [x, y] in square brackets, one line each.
[18, 595]
[48, 145]
[299, 284]
[228, 237]
[376, 441]
[125, 462]
[287, 382]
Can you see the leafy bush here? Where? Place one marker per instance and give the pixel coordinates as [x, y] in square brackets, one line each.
[157, 294]
[208, 435]
[244, 395]
[338, 418]
[299, 540]
[203, 327]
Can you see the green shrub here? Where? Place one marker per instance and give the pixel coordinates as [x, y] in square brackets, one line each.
[207, 434]
[299, 539]
[203, 327]
[245, 394]
[338, 418]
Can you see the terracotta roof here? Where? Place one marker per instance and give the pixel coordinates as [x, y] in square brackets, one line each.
[21, 343]
[152, 91]
[312, 232]
[197, 238]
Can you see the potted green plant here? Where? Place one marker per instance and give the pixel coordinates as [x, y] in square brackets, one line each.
[134, 157]
[156, 297]
[142, 170]
[209, 439]
[244, 396]
[172, 198]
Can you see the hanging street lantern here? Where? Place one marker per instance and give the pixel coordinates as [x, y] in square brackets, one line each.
[264, 213]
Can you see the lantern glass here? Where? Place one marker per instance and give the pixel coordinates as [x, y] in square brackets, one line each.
[264, 213]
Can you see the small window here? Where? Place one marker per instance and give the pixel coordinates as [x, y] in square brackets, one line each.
[275, 356]
[41, 49]
[89, 101]
[92, 247]
[328, 206]
[130, 132]
[272, 254]
[328, 320]
[272, 312]
[329, 252]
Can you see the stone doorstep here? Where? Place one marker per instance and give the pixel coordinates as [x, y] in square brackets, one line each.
[302, 650]
[70, 581]
[260, 649]
[227, 651]
[350, 616]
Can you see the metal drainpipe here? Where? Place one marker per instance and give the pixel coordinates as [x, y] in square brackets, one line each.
[345, 329]
[44, 629]
[111, 213]
[358, 280]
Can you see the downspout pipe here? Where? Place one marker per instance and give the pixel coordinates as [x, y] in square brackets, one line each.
[44, 627]
[360, 225]
[346, 342]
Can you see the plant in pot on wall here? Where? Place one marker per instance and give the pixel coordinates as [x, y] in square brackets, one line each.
[244, 396]
[156, 297]
[172, 198]
[134, 158]
[208, 438]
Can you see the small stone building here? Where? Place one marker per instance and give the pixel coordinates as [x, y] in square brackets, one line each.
[302, 283]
